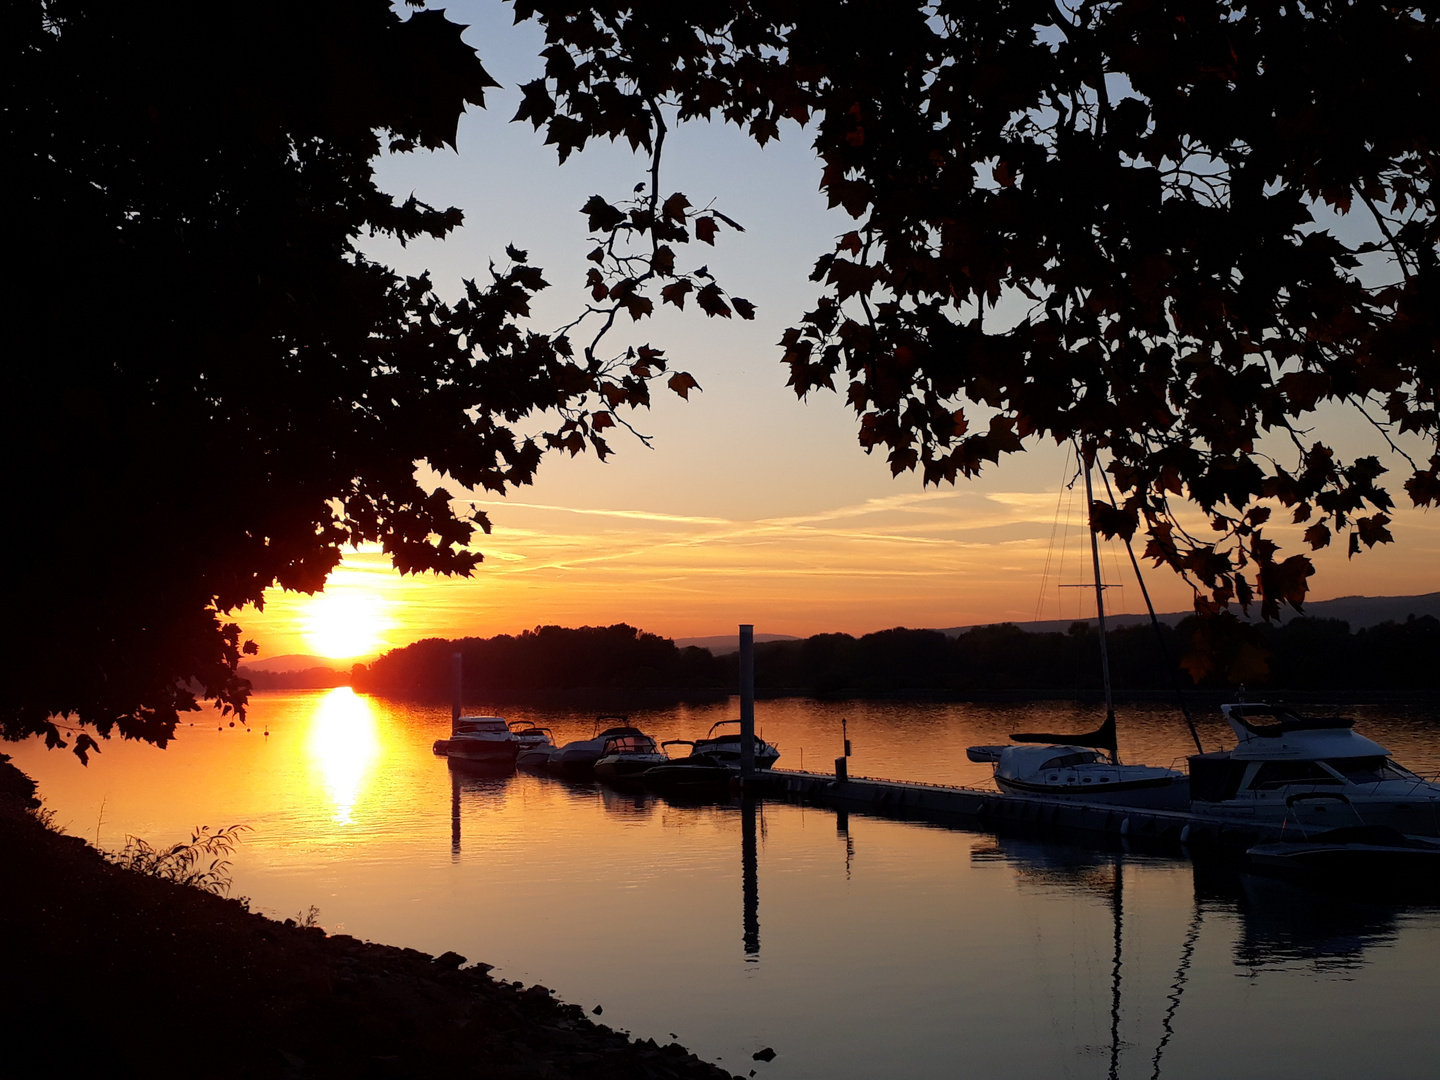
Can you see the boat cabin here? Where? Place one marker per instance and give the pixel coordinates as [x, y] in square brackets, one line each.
[480, 725]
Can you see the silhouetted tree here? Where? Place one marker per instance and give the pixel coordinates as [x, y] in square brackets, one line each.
[544, 659]
[1153, 184]
[210, 390]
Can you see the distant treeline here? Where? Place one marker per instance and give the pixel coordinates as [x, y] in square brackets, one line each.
[1304, 654]
[315, 678]
[546, 659]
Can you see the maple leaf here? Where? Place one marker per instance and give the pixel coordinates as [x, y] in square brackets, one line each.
[712, 302]
[676, 292]
[602, 217]
[675, 207]
[682, 383]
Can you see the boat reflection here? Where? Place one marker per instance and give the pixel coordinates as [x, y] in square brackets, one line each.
[1281, 924]
[482, 778]
[343, 742]
[490, 782]
[1285, 923]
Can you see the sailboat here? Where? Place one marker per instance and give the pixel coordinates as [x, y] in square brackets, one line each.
[1084, 767]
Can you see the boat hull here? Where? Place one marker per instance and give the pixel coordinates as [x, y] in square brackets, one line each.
[1419, 817]
[626, 768]
[479, 751]
[690, 776]
[1166, 793]
[1355, 856]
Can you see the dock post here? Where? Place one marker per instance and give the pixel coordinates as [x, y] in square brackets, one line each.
[747, 700]
[455, 691]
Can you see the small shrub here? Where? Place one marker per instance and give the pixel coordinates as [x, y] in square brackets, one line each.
[46, 817]
[184, 863]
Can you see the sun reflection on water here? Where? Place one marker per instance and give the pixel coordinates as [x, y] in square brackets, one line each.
[344, 744]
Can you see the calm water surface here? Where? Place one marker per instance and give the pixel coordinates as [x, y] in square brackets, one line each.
[856, 948]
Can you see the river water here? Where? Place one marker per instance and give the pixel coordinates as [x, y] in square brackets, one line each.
[854, 947]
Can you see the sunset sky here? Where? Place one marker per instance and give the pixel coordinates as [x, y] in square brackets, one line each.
[752, 506]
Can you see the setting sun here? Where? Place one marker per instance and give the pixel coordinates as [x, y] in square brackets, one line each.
[345, 623]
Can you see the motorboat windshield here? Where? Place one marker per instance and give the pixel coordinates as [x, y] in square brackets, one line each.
[628, 744]
[481, 725]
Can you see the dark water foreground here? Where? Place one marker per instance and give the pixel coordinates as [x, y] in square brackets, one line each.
[856, 946]
[109, 973]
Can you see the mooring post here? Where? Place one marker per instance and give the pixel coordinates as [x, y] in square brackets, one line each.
[455, 691]
[747, 700]
[845, 733]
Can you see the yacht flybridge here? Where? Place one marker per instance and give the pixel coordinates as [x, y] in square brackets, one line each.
[1311, 774]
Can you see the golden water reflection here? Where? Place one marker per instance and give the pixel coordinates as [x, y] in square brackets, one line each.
[344, 747]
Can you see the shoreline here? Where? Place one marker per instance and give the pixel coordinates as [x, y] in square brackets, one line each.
[111, 970]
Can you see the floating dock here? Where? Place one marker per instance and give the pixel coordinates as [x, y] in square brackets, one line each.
[939, 803]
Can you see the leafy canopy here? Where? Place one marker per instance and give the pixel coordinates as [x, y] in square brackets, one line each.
[211, 390]
[1166, 190]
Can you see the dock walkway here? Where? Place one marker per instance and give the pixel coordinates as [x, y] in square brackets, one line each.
[936, 802]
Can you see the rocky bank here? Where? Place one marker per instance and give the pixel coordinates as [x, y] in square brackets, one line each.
[114, 974]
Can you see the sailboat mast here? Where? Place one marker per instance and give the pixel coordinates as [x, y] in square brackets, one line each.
[1099, 603]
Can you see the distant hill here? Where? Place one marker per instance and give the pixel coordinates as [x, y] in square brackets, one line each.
[1360, 612]
[296, 662]
[312, 678]
[725, 644]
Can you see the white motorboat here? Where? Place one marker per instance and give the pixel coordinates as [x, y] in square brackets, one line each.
[578, 758]
[1310, 774]
[485, 739]
[536, 745]
[725, 748]
[624, 757]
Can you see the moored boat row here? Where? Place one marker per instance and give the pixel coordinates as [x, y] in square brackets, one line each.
[617, 752]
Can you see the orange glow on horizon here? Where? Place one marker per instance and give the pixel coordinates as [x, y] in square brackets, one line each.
[952, 557]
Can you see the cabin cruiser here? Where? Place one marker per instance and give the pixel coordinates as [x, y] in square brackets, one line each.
[578, 758]
[625, 757]
[484, 739]
[725, 748]
[1313, 773]
[536, 745]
